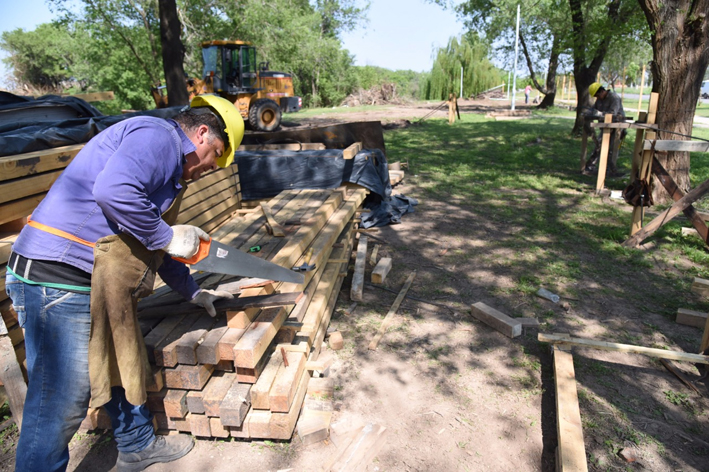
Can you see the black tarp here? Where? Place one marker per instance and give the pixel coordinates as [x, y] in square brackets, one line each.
[22, 128]
[264, 174]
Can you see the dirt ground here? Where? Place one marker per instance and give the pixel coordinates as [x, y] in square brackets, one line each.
[455, 394]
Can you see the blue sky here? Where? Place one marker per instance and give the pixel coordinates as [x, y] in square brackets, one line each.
[401, 34]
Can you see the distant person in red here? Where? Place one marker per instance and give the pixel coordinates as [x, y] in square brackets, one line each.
[527, 91]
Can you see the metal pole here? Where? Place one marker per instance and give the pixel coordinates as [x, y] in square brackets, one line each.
[514, 72]
[461, 81]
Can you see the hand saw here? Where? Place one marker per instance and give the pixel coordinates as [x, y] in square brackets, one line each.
[218, 258]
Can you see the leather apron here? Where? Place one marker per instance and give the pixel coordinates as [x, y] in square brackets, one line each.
[123, 272]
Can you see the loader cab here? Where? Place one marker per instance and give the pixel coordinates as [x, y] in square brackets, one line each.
[231, 66]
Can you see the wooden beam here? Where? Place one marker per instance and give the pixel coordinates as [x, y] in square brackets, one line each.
[21, 208]
[691, 318]
[282, 147]
[700, 286]
[380, 272]
[676, 145]
[282, 391]
[645, 161]
[262, 387]
[358, 275]
[392, 311]
[253, 344]
[32, 185]
[572, 452]
[215, 391]
[222, 305]
[605, 125]
[352, 150]
[20, 165]
[606, 346]
[667, 215]
[506, 325]
[690, 212]
[275, 227]
[603, 159]
[11, 376]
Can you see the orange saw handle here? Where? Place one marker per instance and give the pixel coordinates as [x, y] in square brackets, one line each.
[202, 253]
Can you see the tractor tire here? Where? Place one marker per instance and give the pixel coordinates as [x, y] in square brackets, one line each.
[264, 115]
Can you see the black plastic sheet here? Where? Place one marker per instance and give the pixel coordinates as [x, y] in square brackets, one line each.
[264, 174]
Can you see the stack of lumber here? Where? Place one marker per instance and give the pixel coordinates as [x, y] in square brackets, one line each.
[245, 373]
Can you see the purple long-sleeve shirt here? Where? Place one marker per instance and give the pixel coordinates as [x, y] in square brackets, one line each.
[121, 181]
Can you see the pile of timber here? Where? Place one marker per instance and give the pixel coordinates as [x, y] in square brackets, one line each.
[245, 373]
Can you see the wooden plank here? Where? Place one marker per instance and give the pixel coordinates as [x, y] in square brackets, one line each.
[235, 405]
[6, 247]
[648, 351]
[21, 208]
[226, 343]
[92, 97]
[262, 387]
[20, 188]
[380, 272]
[572, 452]
[187, 344]
[218, 430]
[352, 150]
[645, 161]
[506, 325]
[12, 379]
[165, 353]
[226, 305]
[392, 311]
[199, 425]
[253, 344]
[691, 318]
[176, 403]
[243, 317]
[250, 376]
[208, 352]
[603, 159]
[195, 405]
[373, 255]
[276, 228]
[158, 334]
[624, 125]
[215, 391]
[690, 212]
[676, 145]
[668, 365]
[20, 165]
[282, 425]
[209, 200]
[188, 377]
[700, 286]
[284, 385]
[282, 147]
[358, 275]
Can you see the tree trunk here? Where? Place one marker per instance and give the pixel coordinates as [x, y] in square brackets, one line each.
[173, 54]
[680, 44]
[550, 90]
[585, 71]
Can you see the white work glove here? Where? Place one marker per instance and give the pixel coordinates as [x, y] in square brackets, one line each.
[206, 298]
[185, 241]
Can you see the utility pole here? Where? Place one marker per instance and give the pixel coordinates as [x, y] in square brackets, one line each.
[514, 72]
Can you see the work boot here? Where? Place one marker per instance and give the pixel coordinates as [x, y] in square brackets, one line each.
[163, 449]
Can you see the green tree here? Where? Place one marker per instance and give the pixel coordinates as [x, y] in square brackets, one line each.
[479, 74]
[542, 34]
[42, 58]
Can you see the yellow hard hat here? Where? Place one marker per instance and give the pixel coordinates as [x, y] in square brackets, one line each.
[234, 124]
[593, 88]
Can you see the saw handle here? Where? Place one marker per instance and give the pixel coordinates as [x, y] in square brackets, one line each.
[202, 252]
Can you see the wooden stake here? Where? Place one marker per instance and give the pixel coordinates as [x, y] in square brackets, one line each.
[392, 311]
[603, 159]
[606, 346]
[642, 85]
[644, 169]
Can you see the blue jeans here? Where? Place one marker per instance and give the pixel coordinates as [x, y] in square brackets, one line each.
[57, 327]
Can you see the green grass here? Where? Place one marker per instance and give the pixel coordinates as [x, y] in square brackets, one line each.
[522, 178]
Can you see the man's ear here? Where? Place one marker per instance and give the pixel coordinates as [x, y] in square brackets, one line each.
[202, 132]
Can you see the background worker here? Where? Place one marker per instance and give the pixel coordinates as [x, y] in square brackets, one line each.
[606, 102]
[89, 251]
